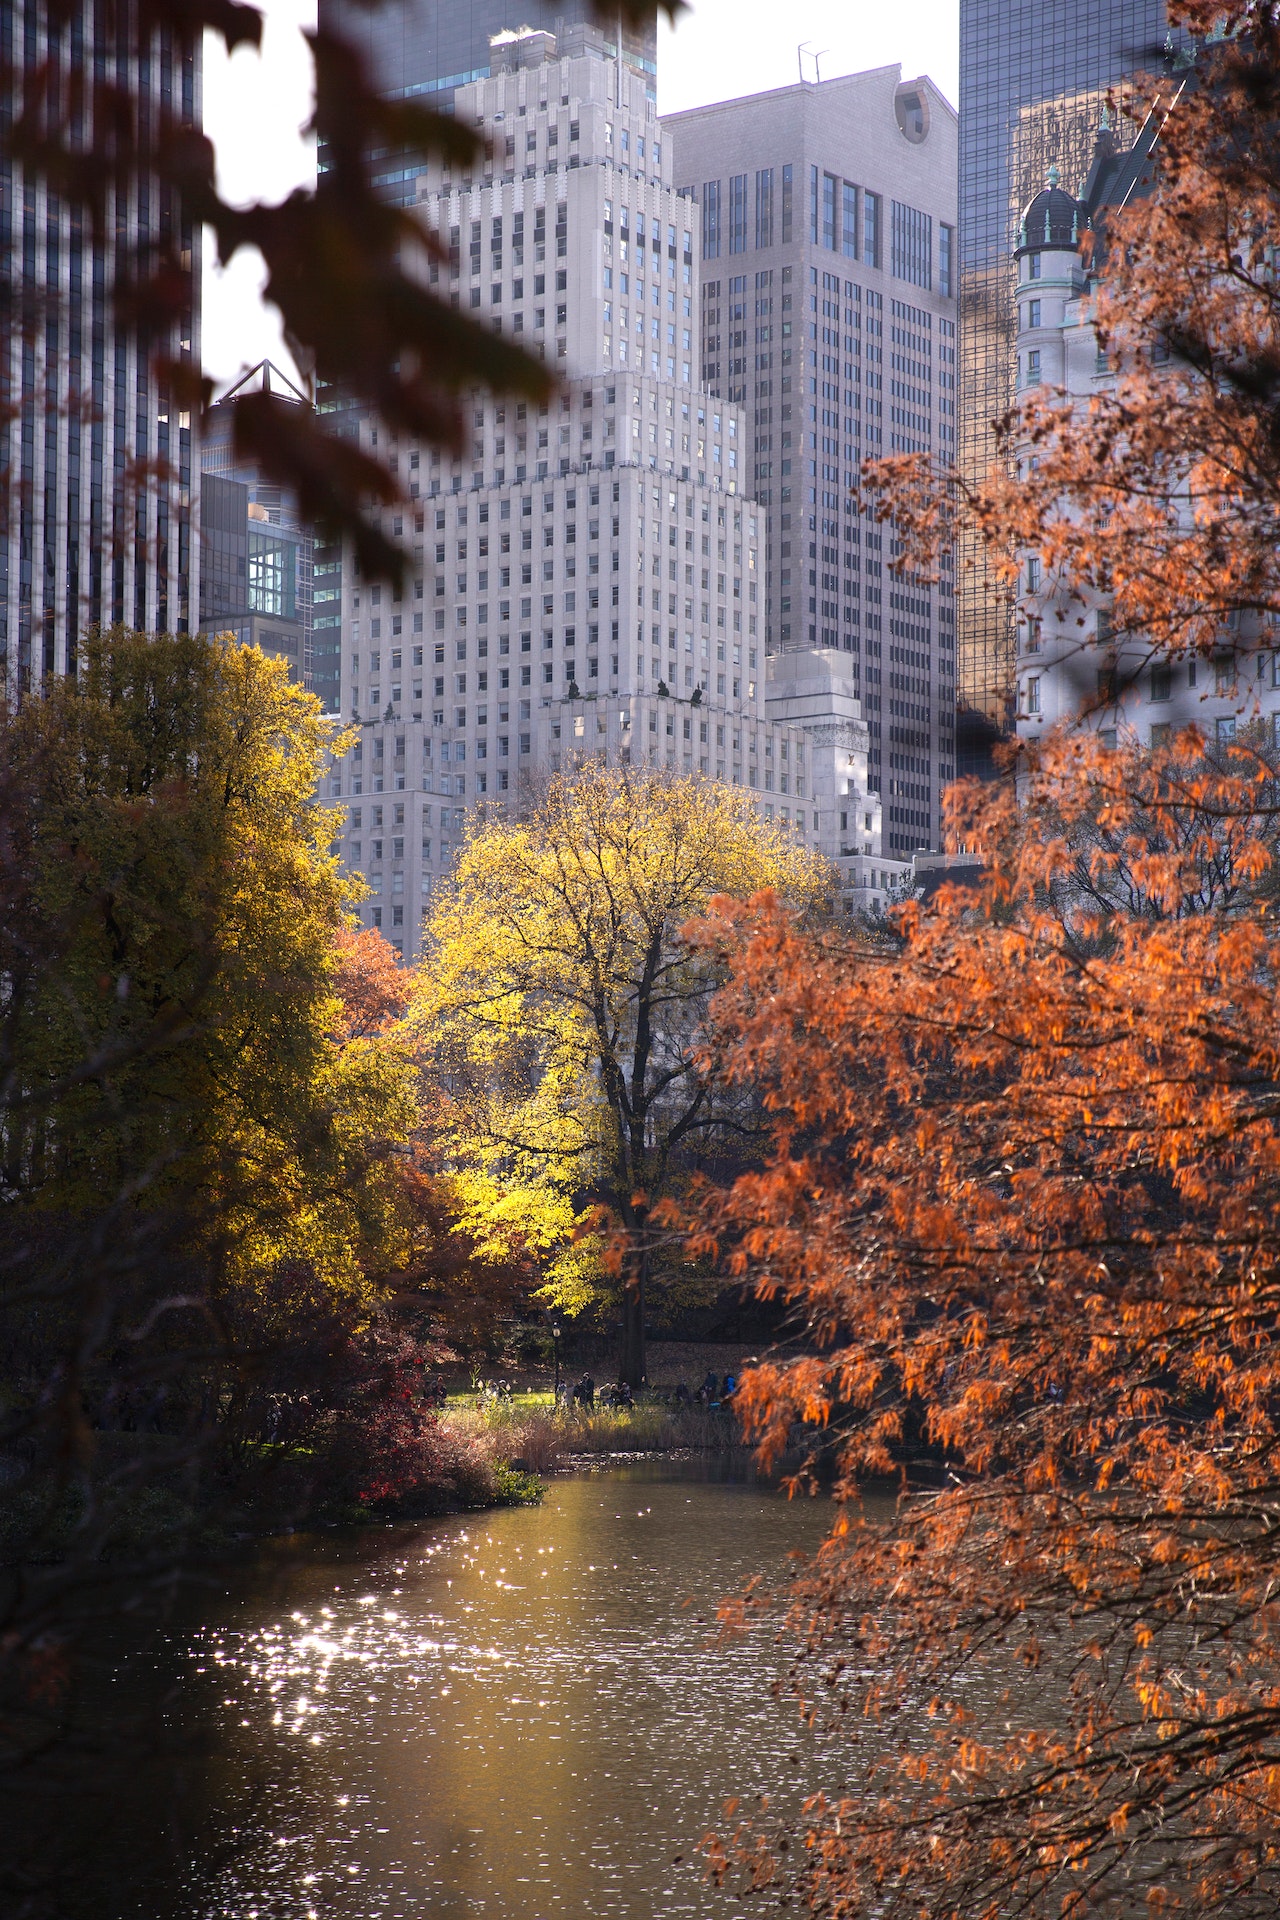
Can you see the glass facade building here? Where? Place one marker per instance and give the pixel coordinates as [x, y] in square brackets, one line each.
[258, 561]
[96, 459]
[1034, 78]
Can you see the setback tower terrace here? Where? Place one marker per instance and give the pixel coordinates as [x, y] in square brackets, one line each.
[588, 579]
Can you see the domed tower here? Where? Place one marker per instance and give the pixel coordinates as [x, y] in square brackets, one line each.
[1049, 274]
[1050, 281]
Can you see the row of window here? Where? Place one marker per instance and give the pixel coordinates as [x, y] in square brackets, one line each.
[724, 220]
[843, 218]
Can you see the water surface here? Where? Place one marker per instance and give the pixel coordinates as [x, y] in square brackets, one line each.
[522, 1713]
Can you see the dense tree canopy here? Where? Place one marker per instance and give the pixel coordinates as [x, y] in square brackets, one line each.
[181, 881]
[1022, 1189]
[197, 1133]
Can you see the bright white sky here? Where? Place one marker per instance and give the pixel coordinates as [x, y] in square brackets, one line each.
[256, 105]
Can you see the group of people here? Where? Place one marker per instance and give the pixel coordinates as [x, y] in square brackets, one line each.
[490, 1391]
[583, 1394]
[712, 1393]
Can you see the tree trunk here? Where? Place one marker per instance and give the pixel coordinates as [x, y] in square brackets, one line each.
[631, 1361]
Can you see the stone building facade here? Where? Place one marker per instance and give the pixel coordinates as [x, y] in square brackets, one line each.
[829, 316]
[588, 580]
[1072, 667]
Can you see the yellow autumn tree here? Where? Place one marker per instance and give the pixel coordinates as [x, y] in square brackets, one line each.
[172, 1022]
[564, 1020]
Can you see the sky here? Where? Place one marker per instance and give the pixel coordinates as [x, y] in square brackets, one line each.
[257, 104]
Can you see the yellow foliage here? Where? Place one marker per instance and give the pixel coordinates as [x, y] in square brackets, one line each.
[562, 1013]
[177, 846]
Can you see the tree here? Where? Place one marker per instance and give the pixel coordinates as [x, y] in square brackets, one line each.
[197, 1150]
[1021, 1190]
[1023, 1179]
[175, 833]
[564, 1020]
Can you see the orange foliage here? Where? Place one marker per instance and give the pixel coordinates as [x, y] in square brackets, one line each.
[370, 983]
[1161, 492]
[1024, 1173]
[1021, 1194]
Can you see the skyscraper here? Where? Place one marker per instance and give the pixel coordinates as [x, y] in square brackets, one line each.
[427, 49]
[828, 314]
[1034, 79]
[587, 579]
[95, 460]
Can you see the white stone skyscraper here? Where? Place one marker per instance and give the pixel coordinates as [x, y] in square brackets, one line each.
[829, 316]
[588, 580]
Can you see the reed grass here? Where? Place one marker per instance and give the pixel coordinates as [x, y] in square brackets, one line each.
[542, 1436]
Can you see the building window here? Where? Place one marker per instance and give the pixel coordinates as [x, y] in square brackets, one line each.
[711, 220]
[271, 575]
[911, 245]
[1033, 369]
[871, 221]
[1162, 681]
[787, 198]
[764, 207]
[946, 257]
[813, 206]
[1033, 313]
[738, 213]
[848, 220]
[1033, 266]
[829, 185]
[1226, 729]
[1161, 735]
[1033, 694]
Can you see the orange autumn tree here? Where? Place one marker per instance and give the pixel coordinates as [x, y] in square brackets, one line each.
[1020, 1195]
[1023, 1180]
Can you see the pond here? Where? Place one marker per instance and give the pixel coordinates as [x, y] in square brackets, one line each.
[520, 1713]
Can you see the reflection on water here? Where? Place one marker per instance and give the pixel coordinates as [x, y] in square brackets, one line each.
[519, 1713]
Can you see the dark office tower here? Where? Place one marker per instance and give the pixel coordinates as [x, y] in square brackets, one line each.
[95, 460]
[257, 555]
[426, 47]
[1034, 79]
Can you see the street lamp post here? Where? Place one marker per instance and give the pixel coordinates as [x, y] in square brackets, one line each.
[555, 1348]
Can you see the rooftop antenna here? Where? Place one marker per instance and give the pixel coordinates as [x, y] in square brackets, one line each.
[806, 46]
